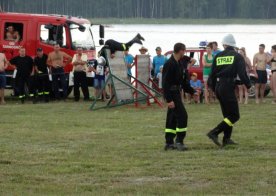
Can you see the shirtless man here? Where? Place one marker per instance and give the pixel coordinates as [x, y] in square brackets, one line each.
[57, 61]
[259, 66]
[12, 35]
[3, 65]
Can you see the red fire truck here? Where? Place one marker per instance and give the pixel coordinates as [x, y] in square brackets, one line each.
[197, 54]
[44, 31]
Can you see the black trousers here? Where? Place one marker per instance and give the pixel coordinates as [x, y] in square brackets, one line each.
[43, 85]
[58, 76]
[225, 92]
[22, 83]
[118, 46]
[177, 119]
[80, 80]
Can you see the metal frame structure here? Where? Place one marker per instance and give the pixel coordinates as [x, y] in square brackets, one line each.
[144, 95]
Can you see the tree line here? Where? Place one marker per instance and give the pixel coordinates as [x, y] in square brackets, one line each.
[187, 9]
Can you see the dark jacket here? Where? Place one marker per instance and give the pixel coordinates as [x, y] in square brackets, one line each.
[173, 79]
[41, 63]
[227, 65]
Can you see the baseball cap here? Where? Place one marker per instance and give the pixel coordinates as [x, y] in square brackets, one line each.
[158, 48]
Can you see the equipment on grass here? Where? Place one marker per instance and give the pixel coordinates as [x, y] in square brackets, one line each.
[123, 91]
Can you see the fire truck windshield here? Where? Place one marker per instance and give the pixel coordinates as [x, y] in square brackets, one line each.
[83, 38]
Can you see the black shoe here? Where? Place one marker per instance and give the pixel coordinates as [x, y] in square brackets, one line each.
[139, 36]
[169, 147]
[181, 147]
[226, 142]
[214, 138]
[137, 41]
[35, 100]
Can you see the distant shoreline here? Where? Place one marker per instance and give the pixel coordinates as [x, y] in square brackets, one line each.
[184, 21]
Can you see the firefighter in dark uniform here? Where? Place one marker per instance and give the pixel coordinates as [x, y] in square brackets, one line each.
[173, 82]
[226, 66]
[42, 77]
[117, 46]
[24, 66]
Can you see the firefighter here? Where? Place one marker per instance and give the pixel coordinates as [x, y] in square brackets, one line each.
[43, 82]
[117, 46]
[226, 66]
[24, 66]
[173, 82]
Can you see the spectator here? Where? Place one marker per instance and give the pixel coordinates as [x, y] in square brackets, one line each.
[25, 68]
[197, 86]
[143, 50]
[42, 83]
[58, 60]
[12, 34]
[159, 77]
[215, 48]
[273, 71]
[80, 80]
[158, 61]
[3, 65]
[9, 37]
[207, 63]
[129, 60]
[100, 70]
[243, 91]
[259, 66]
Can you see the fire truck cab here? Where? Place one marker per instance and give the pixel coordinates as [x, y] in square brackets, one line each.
[43, 31]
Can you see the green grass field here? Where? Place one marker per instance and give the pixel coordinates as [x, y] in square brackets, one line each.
[65, 149]
[181, 21]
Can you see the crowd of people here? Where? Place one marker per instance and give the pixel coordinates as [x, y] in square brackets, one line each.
[34, 73]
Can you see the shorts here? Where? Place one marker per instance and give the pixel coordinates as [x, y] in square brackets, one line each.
[238, 82]
[205, 78]
[3, 80]
[262, 77]
[99, 83]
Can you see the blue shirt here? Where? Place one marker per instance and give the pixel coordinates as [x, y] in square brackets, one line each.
[216, 52]
[157, 62]
[129, 60]
[195, 84]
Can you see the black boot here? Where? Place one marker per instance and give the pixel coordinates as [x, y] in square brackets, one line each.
[35, 100]
[213, 135]
[179, 142]
[137, 41]
[227, 137]
[226, 142]
[140, 37]
[46, 98]
[169, 137]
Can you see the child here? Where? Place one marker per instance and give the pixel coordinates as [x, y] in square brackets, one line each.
[100, 69]
[197, 86]
[3, 65]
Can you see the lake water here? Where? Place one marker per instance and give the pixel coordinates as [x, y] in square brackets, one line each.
[248, 36]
